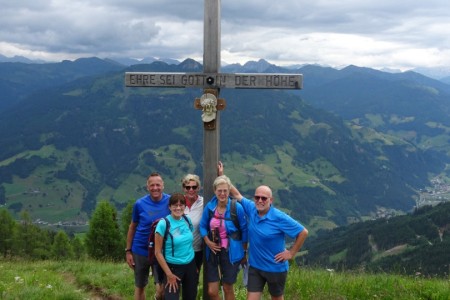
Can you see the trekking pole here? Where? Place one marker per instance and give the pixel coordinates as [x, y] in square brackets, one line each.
[219, 269]
[216, 239]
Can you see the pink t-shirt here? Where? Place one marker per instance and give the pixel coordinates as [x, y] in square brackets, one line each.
[218, 221]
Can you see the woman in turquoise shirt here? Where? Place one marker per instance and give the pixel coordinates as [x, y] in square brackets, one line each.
[175, 252]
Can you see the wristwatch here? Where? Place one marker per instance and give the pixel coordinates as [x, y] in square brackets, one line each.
[127, 249]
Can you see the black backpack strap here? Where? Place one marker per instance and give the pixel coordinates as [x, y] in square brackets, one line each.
[234, 217]
[233, 213]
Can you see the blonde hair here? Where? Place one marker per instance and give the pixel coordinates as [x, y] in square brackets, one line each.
[190, 177]
[221, 180]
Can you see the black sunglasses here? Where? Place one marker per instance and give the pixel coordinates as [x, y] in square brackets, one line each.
[264, 199]
[188, 187]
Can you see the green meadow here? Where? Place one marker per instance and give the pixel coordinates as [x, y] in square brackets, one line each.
[89, 279]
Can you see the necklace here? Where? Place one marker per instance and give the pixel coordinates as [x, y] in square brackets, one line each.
[221, 210]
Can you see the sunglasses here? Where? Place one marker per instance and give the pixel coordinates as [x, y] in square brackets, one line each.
[264, 199]
[189, 187]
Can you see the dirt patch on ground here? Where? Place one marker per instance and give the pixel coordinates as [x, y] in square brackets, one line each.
[96, 293]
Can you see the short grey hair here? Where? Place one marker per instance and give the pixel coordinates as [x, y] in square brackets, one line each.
[221, 180]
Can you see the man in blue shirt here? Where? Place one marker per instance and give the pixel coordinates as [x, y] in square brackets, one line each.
[268, 257]
[267, 228]
[147, 209]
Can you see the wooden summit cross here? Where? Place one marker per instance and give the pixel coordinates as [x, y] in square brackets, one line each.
[211, 80]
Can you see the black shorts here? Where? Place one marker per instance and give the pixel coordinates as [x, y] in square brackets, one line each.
[276, 281]
[199, 260]
[221, 262]
[188, 275]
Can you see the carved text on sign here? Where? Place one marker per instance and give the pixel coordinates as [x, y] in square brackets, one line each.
[222, 80]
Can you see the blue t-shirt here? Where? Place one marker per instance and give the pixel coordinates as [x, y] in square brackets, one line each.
[266, 236]
[183, 241]
[145, 211]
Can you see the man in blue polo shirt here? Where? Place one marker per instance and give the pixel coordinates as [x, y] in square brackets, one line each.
[147, 209]
[268, 257]
[267, 228]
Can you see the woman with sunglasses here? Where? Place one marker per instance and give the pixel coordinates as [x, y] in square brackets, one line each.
[224, 229]
[194, 209]
[267, 229]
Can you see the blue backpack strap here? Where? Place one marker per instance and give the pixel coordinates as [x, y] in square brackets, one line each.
[167, 233]
[191, 227]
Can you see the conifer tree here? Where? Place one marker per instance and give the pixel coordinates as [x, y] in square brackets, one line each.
[103, 240]
[78, 247]
[61, 248]
[125, 219]
[7, 224]
[30, 240]
[25, 242]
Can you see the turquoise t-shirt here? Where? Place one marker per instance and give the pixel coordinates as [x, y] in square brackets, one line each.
[183, 241]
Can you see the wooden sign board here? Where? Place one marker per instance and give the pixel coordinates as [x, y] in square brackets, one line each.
[221, 80]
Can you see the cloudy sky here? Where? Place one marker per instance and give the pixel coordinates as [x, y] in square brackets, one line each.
[398, 34]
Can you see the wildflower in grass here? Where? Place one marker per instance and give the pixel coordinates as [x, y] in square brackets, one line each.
[18, 279]
[49, 286]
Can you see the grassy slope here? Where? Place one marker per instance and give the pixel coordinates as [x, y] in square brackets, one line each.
[46, 198]
[104, 280]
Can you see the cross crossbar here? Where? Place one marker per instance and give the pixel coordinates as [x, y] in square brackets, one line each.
[214, 80]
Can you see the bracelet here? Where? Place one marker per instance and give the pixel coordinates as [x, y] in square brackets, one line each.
[128, 250]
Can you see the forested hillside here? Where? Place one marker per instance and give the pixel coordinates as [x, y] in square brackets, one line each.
[416, 243]
[64, 148]
[408, 105]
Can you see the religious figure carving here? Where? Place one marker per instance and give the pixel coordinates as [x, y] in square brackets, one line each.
[208, 103]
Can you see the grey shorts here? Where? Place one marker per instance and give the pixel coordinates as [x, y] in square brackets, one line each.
[142, 271]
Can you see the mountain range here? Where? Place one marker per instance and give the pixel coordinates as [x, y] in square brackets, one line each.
[353, 143]
[440, 73]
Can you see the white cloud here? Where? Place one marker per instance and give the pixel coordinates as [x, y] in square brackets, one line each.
[395, 34]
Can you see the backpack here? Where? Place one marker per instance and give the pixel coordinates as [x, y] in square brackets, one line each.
[234, 218]
[151, 239]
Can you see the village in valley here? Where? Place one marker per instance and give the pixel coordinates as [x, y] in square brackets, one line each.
[437, 193]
